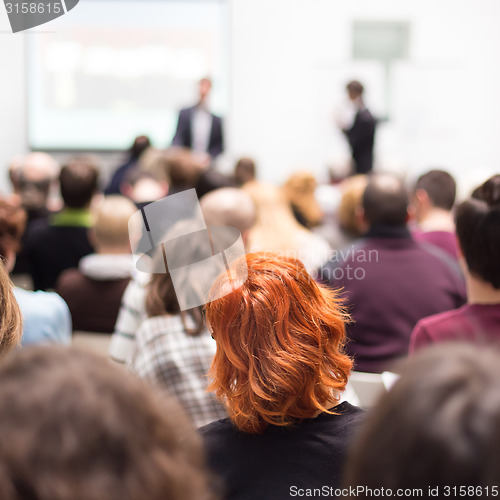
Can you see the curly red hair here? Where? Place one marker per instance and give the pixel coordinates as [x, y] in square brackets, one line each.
[280, 345]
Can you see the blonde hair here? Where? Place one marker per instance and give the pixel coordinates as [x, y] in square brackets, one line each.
[111, 221]
[352, 194]
[11, 324]
[299, 189]
[276, 229]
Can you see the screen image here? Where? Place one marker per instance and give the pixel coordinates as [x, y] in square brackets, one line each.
[112, 70]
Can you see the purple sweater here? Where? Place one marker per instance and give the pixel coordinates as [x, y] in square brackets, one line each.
[390, 282]
[472, 323]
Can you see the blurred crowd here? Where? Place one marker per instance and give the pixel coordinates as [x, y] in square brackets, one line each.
[248, 396]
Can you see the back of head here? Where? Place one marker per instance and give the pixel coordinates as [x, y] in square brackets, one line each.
[72, 425]
[352, 195]
[355, 88]
[385, 201]
[438, 426]
[34, 179]
[478, 231]
[300, 191]
[244, 171]
[280, 340]
[12, 225]
[11, 325]
[182, 168]
[78, 181]
[141, 143]
[111, 222]
[440, 187]
[229, 207]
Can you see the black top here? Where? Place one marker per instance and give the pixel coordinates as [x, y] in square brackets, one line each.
[53, 249]
[283, 459]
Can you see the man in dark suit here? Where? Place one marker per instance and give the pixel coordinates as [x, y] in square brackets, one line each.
[197, 128]
[361, 134]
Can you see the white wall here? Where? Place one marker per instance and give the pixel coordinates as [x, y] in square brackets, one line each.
[289, 61]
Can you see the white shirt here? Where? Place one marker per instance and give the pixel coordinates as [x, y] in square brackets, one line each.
[201, 129]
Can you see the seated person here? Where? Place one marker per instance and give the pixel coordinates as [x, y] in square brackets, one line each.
[33, 180]
[143, 187]
[60, 244]
[478, 231]
[280, 369]
[434, 199]
[94, 290]
[76, 427]
[46, 316]
[389, 280]
[436, 430]
[173, 348]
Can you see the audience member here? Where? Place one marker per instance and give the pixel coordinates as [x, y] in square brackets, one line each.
[244, 171]
[478, 230]
[436, 430]
[434, 198]
[33, 180]
[74, 426]
[173, 349]
[280, 368]
[46, 317]
[277, 230]
[299, 191]
[60, 244]
[389, 280]
[227, 206]
[143, 187]
[141, 143]
[93, 291]
[11, 323]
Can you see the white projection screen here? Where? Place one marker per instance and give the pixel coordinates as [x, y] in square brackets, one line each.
[112, 70]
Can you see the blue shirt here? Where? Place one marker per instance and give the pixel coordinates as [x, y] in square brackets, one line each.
[46, 317]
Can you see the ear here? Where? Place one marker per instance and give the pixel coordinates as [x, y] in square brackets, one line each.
[411, 213]
[421, 197]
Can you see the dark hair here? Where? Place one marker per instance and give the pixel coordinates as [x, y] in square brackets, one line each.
[12, 225]
[141, 143]
[355, 87]
[478, 229]
[438, 426]
[385, 201]
[244, 171]
[440, 186]
[72, 425]
[78, 181]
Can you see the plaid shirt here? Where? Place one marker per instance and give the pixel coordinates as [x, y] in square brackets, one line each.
[178, 363]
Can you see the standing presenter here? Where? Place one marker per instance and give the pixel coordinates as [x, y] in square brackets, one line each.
[197, 128]
[361, 133]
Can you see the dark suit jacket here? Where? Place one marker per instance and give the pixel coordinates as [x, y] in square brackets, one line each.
[361, 137]
[184, 134]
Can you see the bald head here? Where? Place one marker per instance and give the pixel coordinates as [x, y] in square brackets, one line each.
[229, 207]
[385, 201]
[39, 167]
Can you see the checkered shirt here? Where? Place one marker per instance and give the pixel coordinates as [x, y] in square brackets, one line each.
[166, 356]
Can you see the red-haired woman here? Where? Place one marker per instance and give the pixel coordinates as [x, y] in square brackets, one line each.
[280, 369]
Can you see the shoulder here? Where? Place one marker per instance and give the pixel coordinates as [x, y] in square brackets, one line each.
[41, 304]
[214, 430]
[443, 319]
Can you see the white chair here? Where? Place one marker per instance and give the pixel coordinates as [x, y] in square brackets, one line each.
[91, 341]
[368, 387]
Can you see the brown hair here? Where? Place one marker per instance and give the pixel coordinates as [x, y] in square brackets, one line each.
[438, 426]
[12, 225]
[280, 344]
[299, 190]
[72, 425]
[78, 181]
